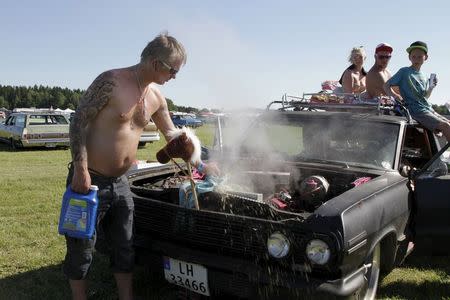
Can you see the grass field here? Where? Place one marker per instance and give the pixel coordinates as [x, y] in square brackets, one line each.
[31, 251]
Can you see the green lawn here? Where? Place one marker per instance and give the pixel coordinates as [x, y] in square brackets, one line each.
[31, 251]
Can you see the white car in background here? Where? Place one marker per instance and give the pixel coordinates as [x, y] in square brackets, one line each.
[149, 135]
[35, 129]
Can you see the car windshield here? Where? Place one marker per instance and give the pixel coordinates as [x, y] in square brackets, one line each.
[320, 139]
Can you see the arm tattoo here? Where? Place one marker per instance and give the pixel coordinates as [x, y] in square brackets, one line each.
[92, 101]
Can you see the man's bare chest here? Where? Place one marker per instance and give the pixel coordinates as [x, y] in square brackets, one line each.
[136, 111]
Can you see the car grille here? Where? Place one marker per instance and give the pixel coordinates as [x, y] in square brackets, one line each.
[208, 231]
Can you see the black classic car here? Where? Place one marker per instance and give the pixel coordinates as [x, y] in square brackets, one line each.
[314, 201]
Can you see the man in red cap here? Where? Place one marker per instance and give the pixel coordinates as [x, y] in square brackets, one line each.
[379, 74]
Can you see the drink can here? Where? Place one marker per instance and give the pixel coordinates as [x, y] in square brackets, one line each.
[431, 83]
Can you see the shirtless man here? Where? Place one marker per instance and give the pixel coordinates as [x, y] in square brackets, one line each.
[104, 137]
[379, 74]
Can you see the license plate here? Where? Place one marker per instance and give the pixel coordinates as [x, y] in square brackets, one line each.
[188, 275]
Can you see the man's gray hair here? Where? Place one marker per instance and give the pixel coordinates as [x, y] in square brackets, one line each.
[165, 48]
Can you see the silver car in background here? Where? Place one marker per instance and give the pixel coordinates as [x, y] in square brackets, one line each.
[35, 129]
[150, 134]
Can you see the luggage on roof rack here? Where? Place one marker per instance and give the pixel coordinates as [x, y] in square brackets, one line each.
[343, 102]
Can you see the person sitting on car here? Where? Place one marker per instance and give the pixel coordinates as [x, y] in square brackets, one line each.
[379, 74]
[415, 90]
[353, 80]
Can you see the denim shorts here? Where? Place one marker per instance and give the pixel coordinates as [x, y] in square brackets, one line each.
[113, 233]
[429, 119]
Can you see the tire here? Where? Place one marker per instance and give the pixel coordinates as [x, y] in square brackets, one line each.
[12, 144]
[142, 144]
[369, 289]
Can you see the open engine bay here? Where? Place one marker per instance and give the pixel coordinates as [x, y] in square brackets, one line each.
[257, 193]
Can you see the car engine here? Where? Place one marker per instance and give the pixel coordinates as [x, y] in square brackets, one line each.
[256, 193]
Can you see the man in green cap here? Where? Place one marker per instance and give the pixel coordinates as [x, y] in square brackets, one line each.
[415, 89]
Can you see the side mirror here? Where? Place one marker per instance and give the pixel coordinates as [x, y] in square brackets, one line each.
[405, 170]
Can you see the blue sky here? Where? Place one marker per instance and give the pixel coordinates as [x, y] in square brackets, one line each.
[240, 53]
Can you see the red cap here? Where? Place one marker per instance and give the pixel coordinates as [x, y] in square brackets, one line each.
[383, 47]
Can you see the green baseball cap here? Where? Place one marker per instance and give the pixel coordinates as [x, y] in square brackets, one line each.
[418, 45]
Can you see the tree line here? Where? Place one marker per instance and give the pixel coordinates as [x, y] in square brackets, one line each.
[57, 97]
[441, 109]
[45, 97]
[39, 97]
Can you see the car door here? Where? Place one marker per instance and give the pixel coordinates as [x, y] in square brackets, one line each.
[431, 209]
[176, 121]
[9, 125]
[19, 125]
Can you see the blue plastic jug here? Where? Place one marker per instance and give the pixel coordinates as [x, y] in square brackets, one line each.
[78, 213]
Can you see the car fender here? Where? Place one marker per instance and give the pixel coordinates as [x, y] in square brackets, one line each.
[365, 222]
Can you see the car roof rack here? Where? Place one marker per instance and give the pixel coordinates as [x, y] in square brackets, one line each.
[38, 111]
[342, 102]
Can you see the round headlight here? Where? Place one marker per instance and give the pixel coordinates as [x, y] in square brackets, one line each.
[278, 245]
[318, 252]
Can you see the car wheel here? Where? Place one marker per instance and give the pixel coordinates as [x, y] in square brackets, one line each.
[142, 144]
[369, 289]
[12, 144]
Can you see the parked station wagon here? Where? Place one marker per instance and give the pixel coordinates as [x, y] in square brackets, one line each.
[35, 129]
[315, 201]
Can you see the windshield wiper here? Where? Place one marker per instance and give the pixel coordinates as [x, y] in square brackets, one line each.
[367, 166]
[322, 161]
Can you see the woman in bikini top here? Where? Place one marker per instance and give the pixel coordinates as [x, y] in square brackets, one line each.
[353, 80]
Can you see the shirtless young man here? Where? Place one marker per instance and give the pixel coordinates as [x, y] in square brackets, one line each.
[104, 137]
[378, 75]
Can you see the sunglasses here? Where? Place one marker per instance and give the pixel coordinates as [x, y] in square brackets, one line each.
[172, 71]
[384, 56]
